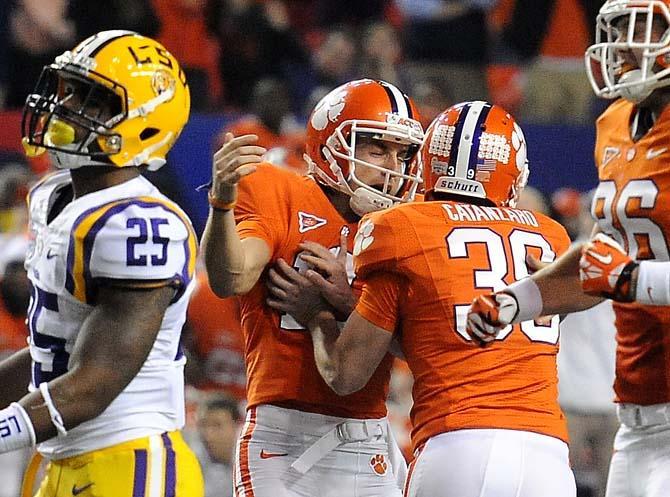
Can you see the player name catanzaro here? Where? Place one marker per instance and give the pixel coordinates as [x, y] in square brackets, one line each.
[466, 212]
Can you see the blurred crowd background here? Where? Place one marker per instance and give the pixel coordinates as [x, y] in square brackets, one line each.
[260, 66]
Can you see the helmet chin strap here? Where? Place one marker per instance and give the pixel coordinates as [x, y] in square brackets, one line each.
[635, 93]
[64, 160]
[363, 201]
[62, 134]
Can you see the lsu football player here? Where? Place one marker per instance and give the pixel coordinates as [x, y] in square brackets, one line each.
[300, 439]
[111, 265]
[628, 257]
[484, 423]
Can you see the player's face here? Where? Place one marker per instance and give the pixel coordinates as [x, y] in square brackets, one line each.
[78, 97]
[387, 155]
[632, 57]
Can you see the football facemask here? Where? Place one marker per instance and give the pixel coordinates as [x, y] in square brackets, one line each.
[630, 57]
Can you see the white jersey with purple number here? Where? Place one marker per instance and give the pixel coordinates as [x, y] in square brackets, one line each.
[127, 232]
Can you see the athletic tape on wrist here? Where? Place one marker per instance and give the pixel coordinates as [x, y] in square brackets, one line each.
[16, 429]
[528, 299]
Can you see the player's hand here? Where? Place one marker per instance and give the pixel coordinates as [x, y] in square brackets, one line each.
[488, 315]
[293, 293]
[328, 272]
[606, 270]
[236, 158]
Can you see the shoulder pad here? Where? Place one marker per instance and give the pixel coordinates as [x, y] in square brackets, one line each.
[40, 196]
[260, 191]
[131, 239]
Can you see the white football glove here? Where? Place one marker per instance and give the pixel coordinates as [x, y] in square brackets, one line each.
[489, 314]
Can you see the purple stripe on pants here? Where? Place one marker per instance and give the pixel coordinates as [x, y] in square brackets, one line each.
[140, 478]
[170, 467]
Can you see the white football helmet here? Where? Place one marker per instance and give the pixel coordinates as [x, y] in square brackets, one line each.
[637, 27]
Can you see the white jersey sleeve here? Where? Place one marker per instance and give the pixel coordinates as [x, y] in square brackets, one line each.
[145, 241]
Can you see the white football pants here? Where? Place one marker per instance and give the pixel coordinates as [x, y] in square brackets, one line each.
[491, 463]
[290, 453]
[640, 465]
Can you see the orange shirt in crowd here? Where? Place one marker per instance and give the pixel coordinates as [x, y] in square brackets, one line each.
[216, 340]
[568, 35]
[184, 34]
[291, 143]
[13, 332]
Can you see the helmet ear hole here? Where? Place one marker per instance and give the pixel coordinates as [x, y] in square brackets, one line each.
[148, 133]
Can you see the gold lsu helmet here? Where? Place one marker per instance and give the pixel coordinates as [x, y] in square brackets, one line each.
[117, 99]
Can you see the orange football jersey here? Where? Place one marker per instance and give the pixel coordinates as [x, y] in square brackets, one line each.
[631, 204]
[285, 209]
[421, 265]
[217, 339]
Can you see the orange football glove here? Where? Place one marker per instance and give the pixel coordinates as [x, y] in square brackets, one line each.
[605, 269]
[488, 315]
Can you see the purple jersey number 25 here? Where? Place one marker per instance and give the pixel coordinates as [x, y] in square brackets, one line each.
[132, 259]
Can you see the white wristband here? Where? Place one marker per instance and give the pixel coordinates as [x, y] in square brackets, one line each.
[16, 429]
[528, 298]
[653, 283]
[56, 418]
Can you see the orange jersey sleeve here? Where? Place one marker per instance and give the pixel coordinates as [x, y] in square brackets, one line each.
[380, 299]
[374, 261]
[257, 212]
[375, 245]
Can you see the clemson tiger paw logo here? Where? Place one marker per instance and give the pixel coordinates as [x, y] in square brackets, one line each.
[379, 464]
[364, 237]
[328, 110]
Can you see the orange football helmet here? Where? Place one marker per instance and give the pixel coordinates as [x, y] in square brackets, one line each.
[475, 149]
[363, 108]
[631, 55]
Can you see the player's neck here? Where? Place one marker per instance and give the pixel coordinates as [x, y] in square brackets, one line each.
[340, 201]
[91, 179]
[656, 103]
[647, 113]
